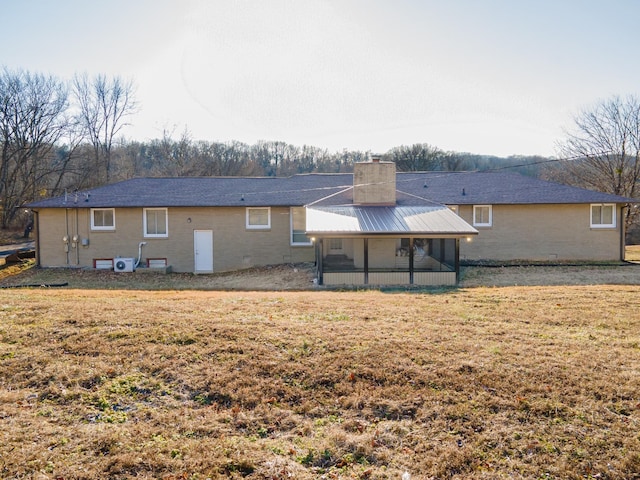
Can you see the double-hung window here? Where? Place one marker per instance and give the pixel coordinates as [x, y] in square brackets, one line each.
[155, 222]
[482, 216]
[103, 219]
[603, 215]
[299, 226]
[258, 218]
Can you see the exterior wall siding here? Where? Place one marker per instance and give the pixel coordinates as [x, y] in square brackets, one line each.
[434, 278]
[234, 246]
[343, 278]
[390, 278]
[541, 233]
[518, 232]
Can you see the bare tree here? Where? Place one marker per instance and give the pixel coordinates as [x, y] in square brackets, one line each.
[275, 157]
[32, 120]
[103, 103]
[226, 159]
[453, 162]
[418, 157]
[603, 151]
[310, 159]
[174, 158]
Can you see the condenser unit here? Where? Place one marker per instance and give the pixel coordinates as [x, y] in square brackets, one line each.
[124, 265]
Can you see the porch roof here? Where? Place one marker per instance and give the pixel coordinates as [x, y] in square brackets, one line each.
[410, 220]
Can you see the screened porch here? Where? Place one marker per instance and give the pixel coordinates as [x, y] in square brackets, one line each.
[385, 261]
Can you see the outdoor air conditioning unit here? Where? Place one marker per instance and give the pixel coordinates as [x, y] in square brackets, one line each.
[124, 264]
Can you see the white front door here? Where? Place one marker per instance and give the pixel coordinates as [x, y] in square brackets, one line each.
[203, 250]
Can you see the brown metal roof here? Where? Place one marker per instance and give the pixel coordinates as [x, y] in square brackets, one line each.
[412, 220]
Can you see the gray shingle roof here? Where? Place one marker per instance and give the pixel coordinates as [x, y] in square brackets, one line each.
[477, 188]
[449, 188]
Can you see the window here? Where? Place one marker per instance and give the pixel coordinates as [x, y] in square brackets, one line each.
[335, 246]
[259, 218]
[603, 215]
[155, 222]
[103, 219]
[482, 216]
[298, 226]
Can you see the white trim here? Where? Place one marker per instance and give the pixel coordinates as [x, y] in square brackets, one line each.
[600, 224]
[266, 226]
[95, 227]
[144, 223]
[291, 241]
[484, 224]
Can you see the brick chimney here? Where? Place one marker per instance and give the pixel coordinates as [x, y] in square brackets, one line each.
[374, 182]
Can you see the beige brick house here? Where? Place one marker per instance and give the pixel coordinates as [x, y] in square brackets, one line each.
[375, 226]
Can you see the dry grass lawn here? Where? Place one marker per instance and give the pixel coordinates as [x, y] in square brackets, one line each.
[511, 382]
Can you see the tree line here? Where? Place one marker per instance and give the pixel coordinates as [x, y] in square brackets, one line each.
[61, 136]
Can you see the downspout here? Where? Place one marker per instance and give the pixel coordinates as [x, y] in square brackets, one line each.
[37, 229]
[77, 238]
[66, 236]
[623, 232]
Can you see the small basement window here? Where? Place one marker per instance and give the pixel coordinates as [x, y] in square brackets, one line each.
[258, 218]
[482, 216]
[103, 219]
[103, 263]
[156, 262]
[603, 215]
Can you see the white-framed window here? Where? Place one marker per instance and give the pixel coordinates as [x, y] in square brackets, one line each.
[603, 215]
[482, 216]
[299, 226]
[335, 246]
[103, 219]
[258, 218]
[155, 222]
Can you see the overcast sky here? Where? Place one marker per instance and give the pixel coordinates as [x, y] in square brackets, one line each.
[497, 77]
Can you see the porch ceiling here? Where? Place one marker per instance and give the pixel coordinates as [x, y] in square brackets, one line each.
[412, 220]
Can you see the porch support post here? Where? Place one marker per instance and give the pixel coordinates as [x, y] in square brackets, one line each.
[623, 231]
[411, 260]
[319, 256]
[457, 260]
[366, 261]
